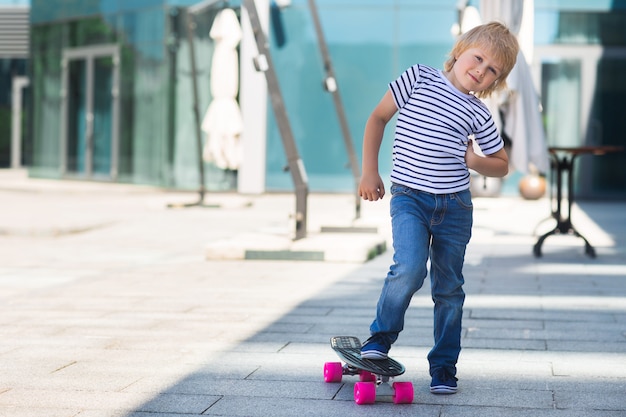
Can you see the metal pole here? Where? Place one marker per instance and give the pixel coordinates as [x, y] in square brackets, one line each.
[331, 85]
[296, 167]
[191, 25]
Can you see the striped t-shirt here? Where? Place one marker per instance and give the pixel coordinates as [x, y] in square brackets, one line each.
[432, 129]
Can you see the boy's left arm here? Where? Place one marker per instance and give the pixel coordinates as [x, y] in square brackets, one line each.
[494, 165]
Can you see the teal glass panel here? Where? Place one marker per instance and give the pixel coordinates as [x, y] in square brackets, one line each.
[90, 31]
[561, 97]
[144, 100]
[370, 43]
[580, 5]
[217, 4]
[143, 94]
[607, 124]
[185, 155]
[128, 75]
[143, 125]
[144, 29]
[546, 26]
[102, 109]
[580, 22]
[355, 4]
[76, 128]
[124, 6]
[54, 10]
[590, 28]
[313, 118]
[43, 11]
[46, 44]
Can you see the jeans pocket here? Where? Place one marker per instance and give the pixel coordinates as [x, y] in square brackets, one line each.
[400, 189]
[464, 199]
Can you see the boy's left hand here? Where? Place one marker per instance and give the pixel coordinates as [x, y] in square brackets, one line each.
[494, 165]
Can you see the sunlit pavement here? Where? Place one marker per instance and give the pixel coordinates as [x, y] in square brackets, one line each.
[108, 307]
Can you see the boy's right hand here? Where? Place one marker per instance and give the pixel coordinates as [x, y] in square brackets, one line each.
[371, 187]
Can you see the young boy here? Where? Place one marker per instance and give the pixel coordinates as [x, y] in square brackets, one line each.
[431, 206]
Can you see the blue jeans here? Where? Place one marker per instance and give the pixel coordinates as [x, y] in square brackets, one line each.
[426, 225]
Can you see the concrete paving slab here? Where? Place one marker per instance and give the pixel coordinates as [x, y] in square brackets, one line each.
[330, 247]
[238, 406]
[522, 412]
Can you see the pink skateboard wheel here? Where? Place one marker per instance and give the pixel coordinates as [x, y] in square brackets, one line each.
[402, 393]
[364, 393]
[333, 371]
[366, 376]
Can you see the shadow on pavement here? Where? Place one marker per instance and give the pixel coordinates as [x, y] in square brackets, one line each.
[542, 337]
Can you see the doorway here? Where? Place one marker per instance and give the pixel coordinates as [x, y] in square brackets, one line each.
[90, 112]
[582, 89]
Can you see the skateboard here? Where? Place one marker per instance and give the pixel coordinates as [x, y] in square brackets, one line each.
[373, 374]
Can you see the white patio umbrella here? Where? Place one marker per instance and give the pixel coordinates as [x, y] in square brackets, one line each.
[222, 123]
[520, 106]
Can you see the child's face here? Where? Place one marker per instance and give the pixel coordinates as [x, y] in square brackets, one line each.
[474, 70]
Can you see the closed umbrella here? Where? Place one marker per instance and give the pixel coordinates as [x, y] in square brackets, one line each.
[222, 123]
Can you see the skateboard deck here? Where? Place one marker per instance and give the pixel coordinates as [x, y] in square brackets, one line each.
[348, 348]
[372, 373]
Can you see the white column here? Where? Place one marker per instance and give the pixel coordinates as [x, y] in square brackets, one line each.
[253, 104]
[19, 83]
[527, 31]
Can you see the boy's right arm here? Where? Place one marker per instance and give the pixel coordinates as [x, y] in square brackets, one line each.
[371, 187]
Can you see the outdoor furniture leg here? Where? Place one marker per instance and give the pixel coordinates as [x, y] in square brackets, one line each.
[563, 225]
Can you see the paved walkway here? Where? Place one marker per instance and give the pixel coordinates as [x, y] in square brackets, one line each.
[108, 307]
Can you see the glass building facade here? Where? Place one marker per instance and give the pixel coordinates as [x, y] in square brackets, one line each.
[112, 91]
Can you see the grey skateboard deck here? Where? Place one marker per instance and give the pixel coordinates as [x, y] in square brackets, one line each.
[348, 348]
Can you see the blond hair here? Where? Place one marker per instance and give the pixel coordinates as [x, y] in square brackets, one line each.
[496, 39]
